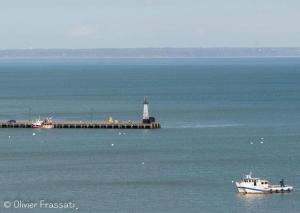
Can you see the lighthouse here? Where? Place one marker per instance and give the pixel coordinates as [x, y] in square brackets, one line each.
[146, 118]
[146, 110]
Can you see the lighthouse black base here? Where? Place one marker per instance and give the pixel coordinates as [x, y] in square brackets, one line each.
[149, 121]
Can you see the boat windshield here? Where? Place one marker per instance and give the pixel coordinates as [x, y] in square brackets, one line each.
[250, 179]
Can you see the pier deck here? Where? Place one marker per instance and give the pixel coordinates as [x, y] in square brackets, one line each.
[86, 125]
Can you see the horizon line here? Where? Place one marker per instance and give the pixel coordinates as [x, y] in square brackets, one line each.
[120, 48]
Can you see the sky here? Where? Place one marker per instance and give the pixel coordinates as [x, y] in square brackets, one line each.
[77, 24]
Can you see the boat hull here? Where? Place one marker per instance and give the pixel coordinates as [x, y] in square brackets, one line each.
[259, 190]
[252, 190]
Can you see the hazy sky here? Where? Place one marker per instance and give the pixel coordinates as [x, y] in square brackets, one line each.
[148, 23]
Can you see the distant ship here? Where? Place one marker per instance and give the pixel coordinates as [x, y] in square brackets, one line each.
[46, 124]
[252, 185]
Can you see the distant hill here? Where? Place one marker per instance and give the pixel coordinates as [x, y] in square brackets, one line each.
[150, 53]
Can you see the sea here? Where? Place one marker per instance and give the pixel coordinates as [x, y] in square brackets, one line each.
[221, 118]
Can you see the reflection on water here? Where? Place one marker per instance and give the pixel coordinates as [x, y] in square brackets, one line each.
[255, 200]
[250, 199]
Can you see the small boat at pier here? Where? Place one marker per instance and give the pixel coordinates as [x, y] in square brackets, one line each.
[252, 185]
[46, 124]
[37, 123]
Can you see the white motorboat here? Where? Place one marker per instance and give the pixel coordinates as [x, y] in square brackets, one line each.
[253, 185]
[37, 123]
[46, 124]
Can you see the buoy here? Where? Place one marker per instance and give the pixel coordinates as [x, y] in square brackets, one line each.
[112, 144]
[251, 143]
[33, 134]
[261, 138]
[261, 142]
[120, 133]
[232, 181]
[143, 163]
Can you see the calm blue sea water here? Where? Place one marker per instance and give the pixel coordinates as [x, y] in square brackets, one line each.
[210, 111]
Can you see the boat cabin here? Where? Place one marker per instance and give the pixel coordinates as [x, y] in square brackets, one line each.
[250, 181]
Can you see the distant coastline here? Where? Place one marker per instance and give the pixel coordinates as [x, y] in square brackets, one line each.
[152, 52]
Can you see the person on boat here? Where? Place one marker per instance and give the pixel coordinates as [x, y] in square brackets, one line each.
[281, 183]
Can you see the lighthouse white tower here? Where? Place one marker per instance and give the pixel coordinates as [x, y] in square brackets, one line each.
[145, 111]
